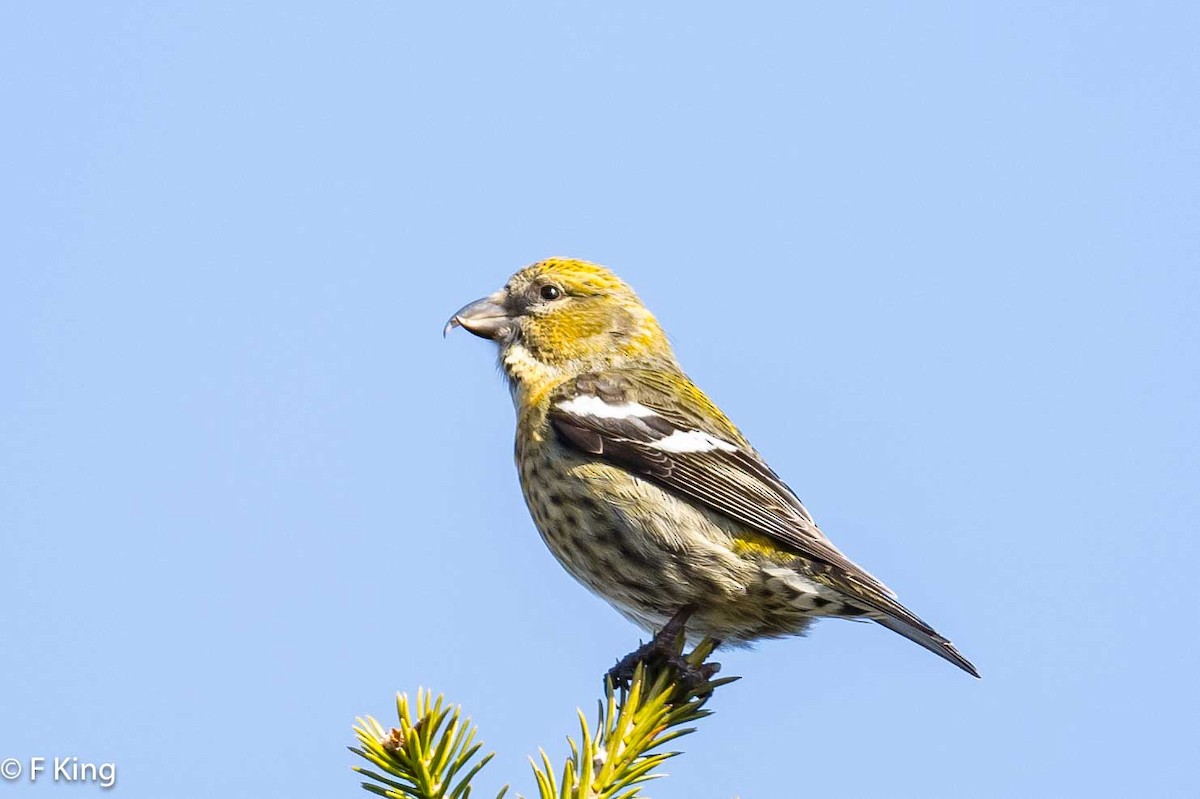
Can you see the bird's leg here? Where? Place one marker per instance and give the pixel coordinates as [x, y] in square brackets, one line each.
[664, 649]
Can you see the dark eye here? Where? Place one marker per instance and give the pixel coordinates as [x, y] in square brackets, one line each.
[550, 292]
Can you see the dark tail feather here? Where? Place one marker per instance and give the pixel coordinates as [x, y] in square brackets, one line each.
[882, 606]
[927, 637]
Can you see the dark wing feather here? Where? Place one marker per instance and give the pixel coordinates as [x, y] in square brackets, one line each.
[729, 478]
[628, 418]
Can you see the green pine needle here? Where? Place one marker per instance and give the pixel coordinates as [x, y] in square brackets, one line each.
[433, 754]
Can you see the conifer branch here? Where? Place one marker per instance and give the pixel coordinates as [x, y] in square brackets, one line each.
[434, 755]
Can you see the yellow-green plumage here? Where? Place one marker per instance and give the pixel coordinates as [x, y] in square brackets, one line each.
[643, 489]
[649, 552]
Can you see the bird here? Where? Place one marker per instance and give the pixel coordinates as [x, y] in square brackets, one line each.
[644, 490]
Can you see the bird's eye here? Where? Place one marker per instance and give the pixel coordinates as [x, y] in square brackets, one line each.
[550, 292]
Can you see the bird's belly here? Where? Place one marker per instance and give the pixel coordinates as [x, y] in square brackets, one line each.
[649, 553]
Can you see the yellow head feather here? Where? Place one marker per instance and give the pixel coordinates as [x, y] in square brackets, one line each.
[596, 321]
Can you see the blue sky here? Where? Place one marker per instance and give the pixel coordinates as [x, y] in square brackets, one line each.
[940, 263]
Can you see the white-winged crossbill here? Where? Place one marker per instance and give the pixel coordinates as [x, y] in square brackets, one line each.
[643, 489]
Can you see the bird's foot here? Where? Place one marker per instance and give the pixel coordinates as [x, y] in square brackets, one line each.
[665, 650]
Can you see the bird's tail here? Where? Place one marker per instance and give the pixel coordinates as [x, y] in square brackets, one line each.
[881, 605]
[921, 633]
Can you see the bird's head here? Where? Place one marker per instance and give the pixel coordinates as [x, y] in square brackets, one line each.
[562, 317]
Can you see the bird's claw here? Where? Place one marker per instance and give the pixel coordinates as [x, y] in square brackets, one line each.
[664, 650]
